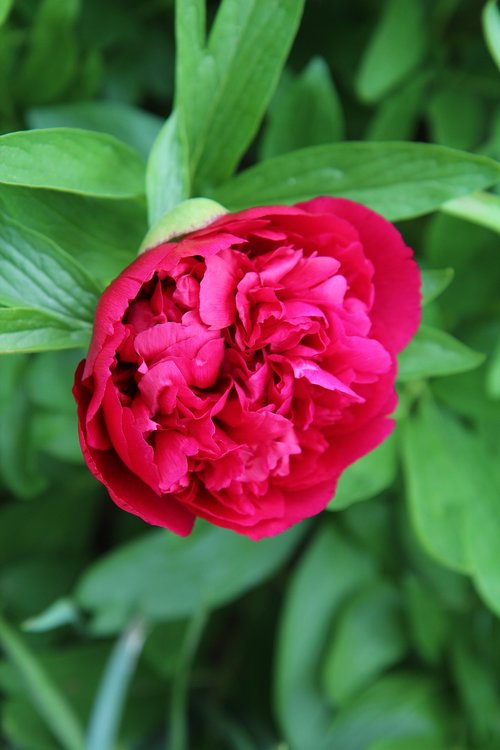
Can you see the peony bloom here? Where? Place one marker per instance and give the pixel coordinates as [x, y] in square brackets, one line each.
[234, 374]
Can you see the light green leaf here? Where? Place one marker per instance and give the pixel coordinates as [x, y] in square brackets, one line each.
[102, 235]
[59, 613]
[367, 477]
[131, 125]
[434, 282]
[480, 208]
[434, 353]
[331, 569]
[5, 8]
[369, 637]
[167, 177]
[45, 696]
[491, 28]
[307, 112]
[210, 568]
[28, 330]
[36, 272]
[435, 488]
[399, 180]
[183, 218]
[493, 373]
[395, 49]
[224, 86]
[71, 160]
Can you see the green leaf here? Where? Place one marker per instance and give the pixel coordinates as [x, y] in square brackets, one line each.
[49, 702]
[28, 330]
[395, 49]
[481, 208]
[56, 615]
[167, 177]
[35, 271]
[493, 374]
[331, 569]
[428, 620]
[131, 125]
[102, 235]
[434, 353]
[491, 27]
[183, 218]
[399, 180]
[307, 112]
[456, 117]
[434, 282]
[369, 637]
[71, 160]
[52, 57]
[5, 8]
[396, 118]
[435, 488]
[395, 707]
[225, 85]
[366, 478]
[210, 568]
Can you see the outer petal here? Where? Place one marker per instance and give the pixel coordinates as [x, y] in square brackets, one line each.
[396, 308]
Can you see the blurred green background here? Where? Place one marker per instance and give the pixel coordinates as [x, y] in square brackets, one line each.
[367, 628]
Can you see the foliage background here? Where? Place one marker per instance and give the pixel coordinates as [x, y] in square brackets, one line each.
[374, 626]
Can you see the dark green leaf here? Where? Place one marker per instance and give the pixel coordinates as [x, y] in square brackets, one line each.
[369, 637]
[399, 180]
[307, 112]
[331, 569]
[397, 115]
[131, 125]
[71, 160]
[395, 49]
[434, 353]
[212, 567]
[428, 621]
[224, 86]
[456, 117]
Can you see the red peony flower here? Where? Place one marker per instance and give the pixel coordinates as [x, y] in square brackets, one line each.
[234, 374]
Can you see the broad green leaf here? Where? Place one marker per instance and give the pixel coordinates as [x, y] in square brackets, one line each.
[435, 488]
[434, 282]
[331, 569]
[307, 112]
[71, 160]
[396, 706]
[52, 57]
[434, 353]
[183, 218]
[399, 180]
[131, 125]
[102, 235]
[34, 271]
[481, 208]
[369, 637]
[367, 477]
[491, 28]
[28, 330]
[224, 85]
[167, 176]
[48, 701]
[210, 568]
[395, 49]
[5, 8]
